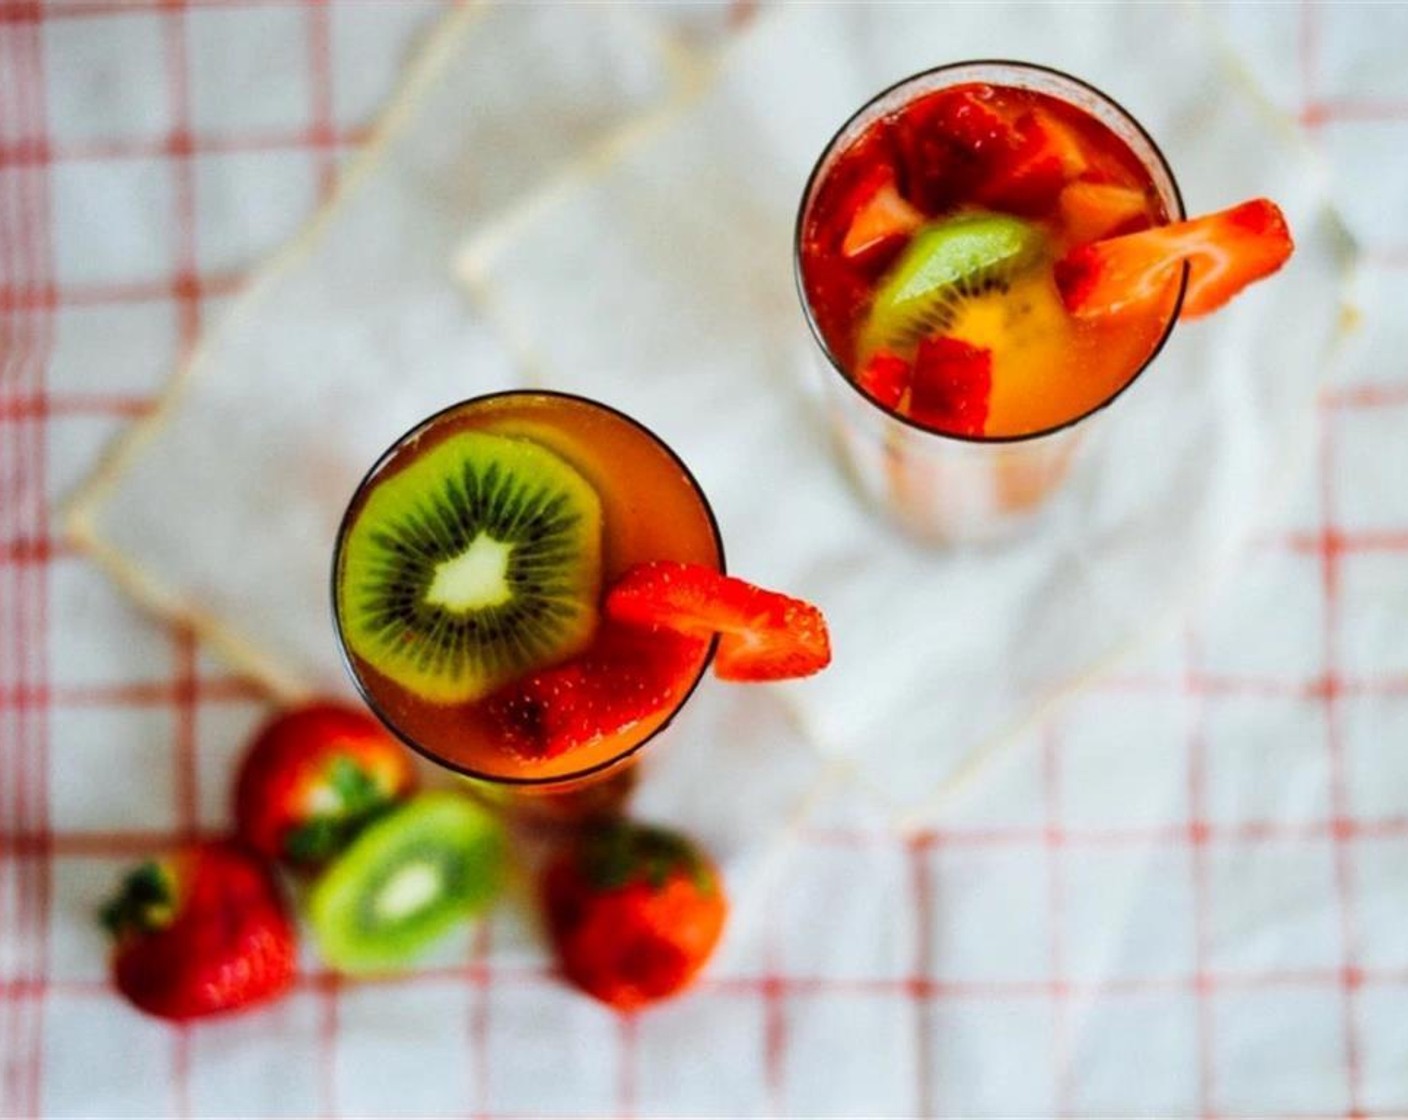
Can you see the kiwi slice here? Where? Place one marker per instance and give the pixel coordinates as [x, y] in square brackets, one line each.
[945, 264]
[409, 877]
[478, 562]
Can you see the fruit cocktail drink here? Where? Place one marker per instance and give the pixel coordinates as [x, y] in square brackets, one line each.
[528, 586]
[988, 254]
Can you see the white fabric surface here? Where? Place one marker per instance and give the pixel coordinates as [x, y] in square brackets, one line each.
[1169, 979]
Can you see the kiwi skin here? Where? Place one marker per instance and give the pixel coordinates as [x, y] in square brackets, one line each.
[423, 516]
[945, 264]
[438, 839]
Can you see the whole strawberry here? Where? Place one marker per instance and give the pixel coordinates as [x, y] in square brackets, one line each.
[313, 777]
[200, 932]
[634, 912]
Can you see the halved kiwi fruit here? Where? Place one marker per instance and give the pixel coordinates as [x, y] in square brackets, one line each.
[407, 879]
[946, 263]
[476, 563]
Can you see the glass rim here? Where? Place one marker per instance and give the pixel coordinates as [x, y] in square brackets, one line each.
[813, 180]
[365, 692]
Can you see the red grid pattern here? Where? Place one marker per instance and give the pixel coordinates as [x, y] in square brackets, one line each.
[31, 843]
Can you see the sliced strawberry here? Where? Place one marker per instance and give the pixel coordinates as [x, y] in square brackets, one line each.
[1090, 211]
[1046, 156]
[885, 377]
[627, 675]
[1226, 251]
[762, 635]
[884, 217]
[952, 386]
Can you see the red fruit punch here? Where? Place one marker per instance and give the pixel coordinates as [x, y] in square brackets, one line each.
[763, 635]
[202, 932]
[1225, 252]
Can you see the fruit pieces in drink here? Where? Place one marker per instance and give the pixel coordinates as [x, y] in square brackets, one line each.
[1010, 187]
[626, 676]
[643, 506]
[478, 543]
[660, 617]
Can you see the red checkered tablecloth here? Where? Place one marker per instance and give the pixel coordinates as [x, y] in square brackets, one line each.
[1258, 832]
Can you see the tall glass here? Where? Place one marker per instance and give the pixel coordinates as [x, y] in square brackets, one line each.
[652, 509]
[940, 487]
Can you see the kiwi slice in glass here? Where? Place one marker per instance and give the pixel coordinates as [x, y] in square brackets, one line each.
[477, 562]
[943, 265]
[406, 880]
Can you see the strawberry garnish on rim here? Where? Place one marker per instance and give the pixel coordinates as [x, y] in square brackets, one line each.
[763, 635]
[952, 386]
[1225, 252]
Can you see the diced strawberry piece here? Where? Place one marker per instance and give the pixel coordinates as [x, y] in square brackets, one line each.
[763, 635]
[1059, 137]
[627, 675]
[849, 184]
[1090, 211]
[966, 116]
[1046, 156]
[952, 386]
[1225, 251]
[884, 217]
[949, 142]
[885, 377]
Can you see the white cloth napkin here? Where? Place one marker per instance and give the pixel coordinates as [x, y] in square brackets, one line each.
[654, 273]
